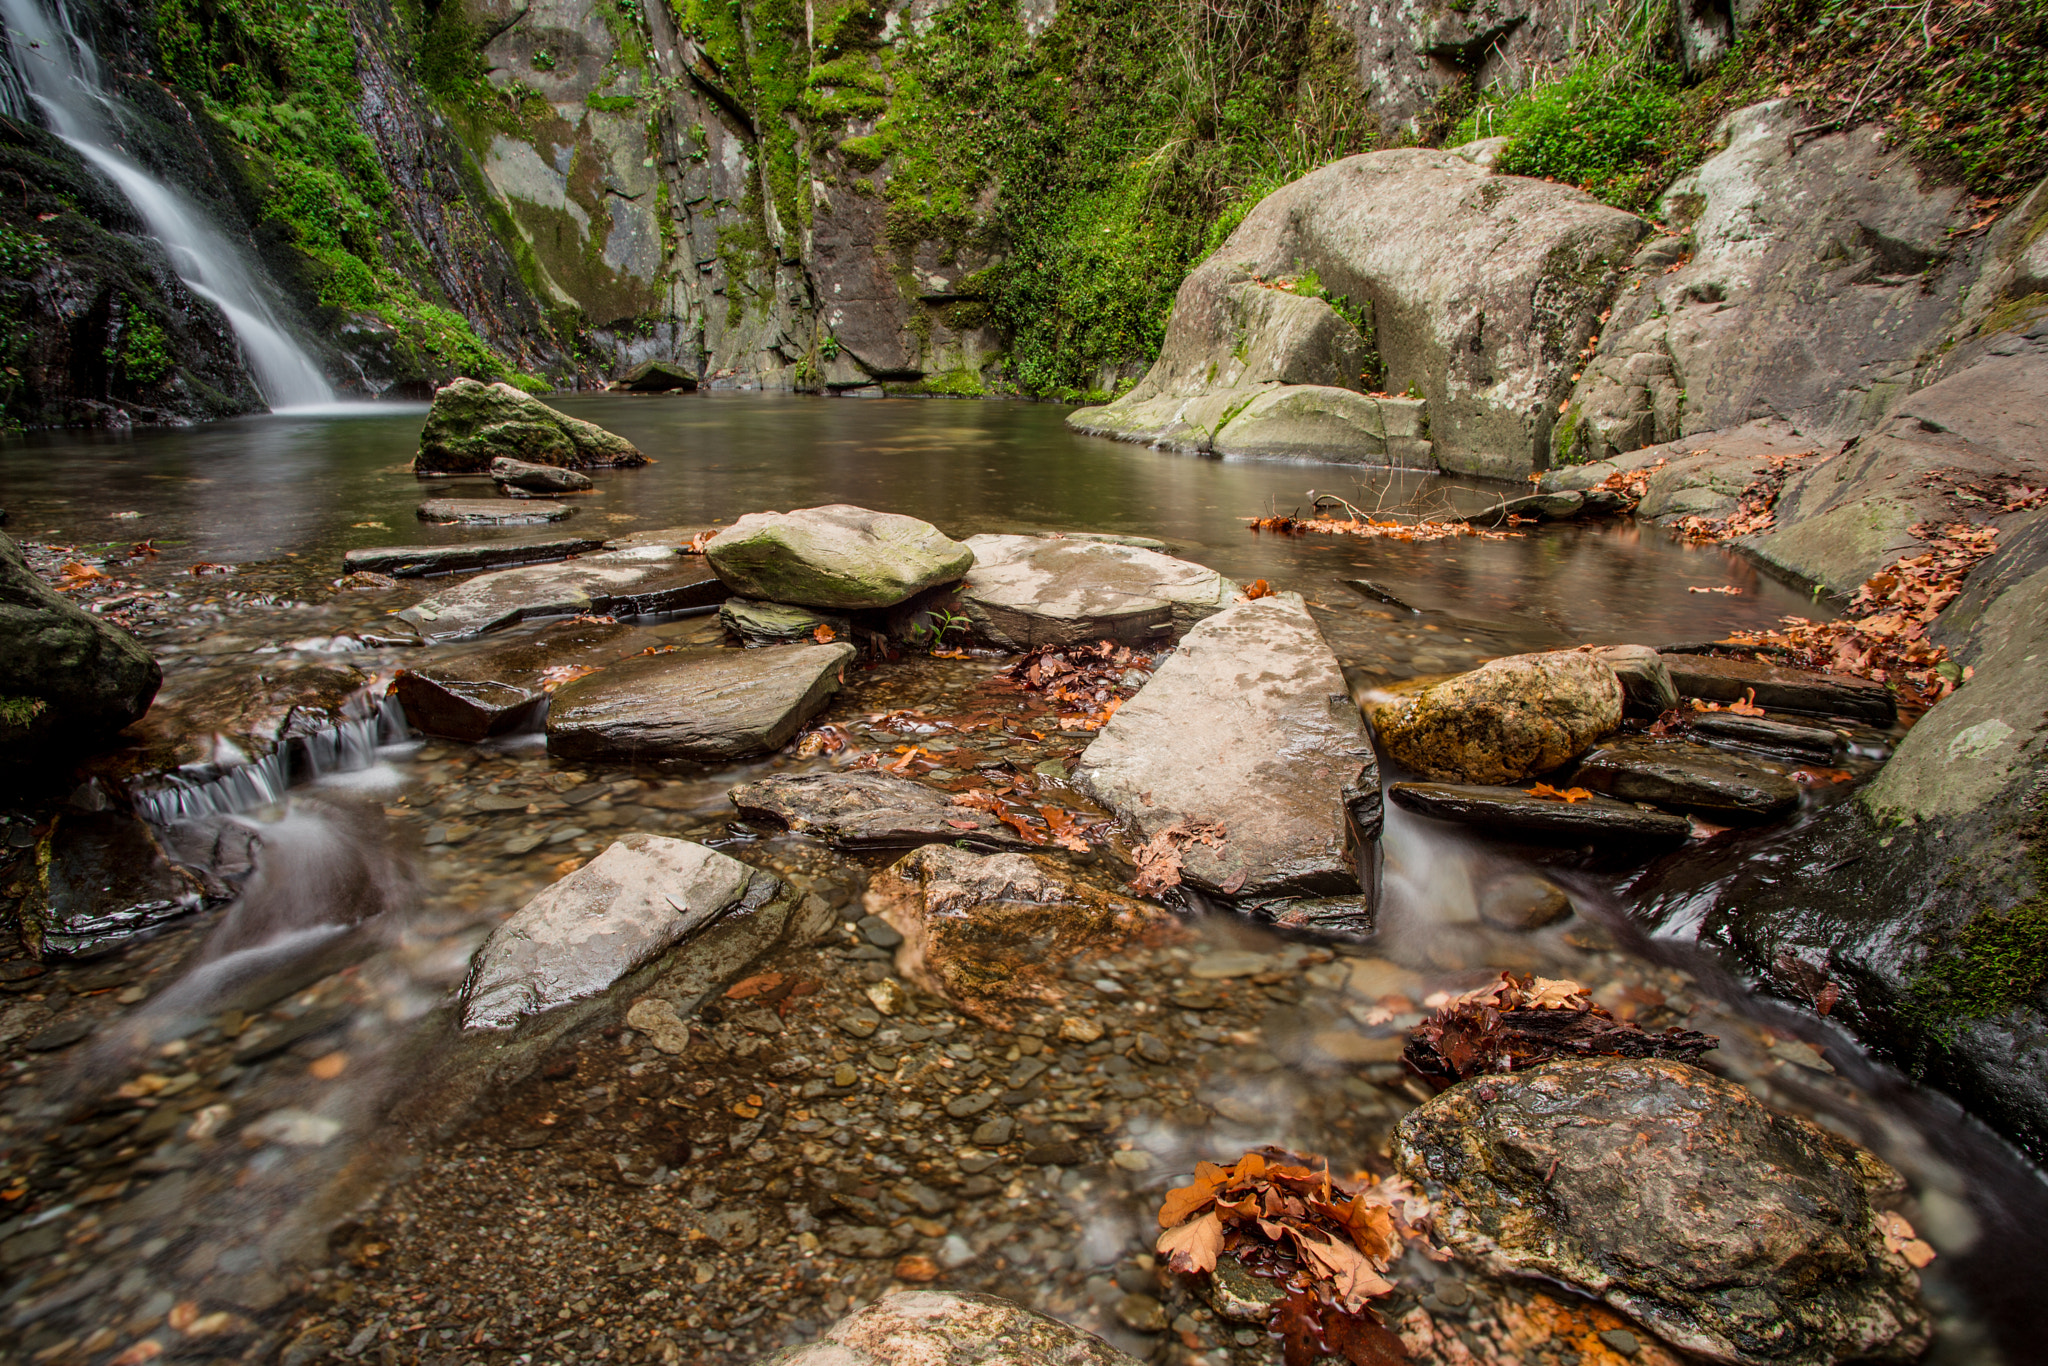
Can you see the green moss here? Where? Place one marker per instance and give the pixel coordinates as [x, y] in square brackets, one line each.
[2013, 313]
[1564, 448]
[961, 383]
[20, 712]
[613, 104]
[1994, 963]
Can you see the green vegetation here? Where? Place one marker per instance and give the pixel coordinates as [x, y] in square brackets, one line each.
[20, 712]
[1994, 963]
[141, 350]
[21, 253]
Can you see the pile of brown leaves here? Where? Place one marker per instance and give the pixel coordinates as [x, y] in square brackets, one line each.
[1327, 1240]
[1756, 510]
[1371, 526]
[1085, 683]
[1631, 484]
[1514, 1023]
[1158, 858]
[1882, 635]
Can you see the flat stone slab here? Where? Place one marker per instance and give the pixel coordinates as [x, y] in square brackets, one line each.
[837, 556]
[1686, 777]
[617, 913]
[487, 692]
[627, 583]
[701, 705]
[491, 512]
[1774, 737]
[529, 478]
[420, 561]
[1247, 725]
[1714, 679]
[777, 623]
[1028, 591]
[1512, 811]
[870, 811]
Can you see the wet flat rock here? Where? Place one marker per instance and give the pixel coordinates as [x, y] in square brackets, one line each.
[103, 876]
[869, 811]
[638, 582]
[994, 933]
[1028, 591]
[487, 692]
[1777, 688]
[491, 512]
[700, 705]
[777, 623]
[626, 907]
[521, 478]
[1513, 812]
[935, 1328]
[1773, 737]
[1688, 777]
[1247, 725]
[1730, 1230]
[419, 561]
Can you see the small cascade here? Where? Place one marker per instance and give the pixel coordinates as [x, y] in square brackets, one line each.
[56, 71]
[233, 782]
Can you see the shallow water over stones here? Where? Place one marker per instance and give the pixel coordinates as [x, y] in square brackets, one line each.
[639, 1196]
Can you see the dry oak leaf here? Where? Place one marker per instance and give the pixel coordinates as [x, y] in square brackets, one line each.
[1193, 1246]
[1569, 794]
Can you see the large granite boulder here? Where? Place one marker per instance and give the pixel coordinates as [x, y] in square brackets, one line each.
[1920, 906]
[995, 933]
[1504, 721]
[940, 1328]
[624, 583]
[707, 706]
[869, 811]
[1248, 726]
[1481, 291]
[1027, 591]
[1731, 1231]
[67, 678]
[1327, 423]
[838, 556]
[472, 424]
[1703, 475]
[619, 912]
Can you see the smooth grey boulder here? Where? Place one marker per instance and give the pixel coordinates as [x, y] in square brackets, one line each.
[1731, 1231]
[702, 705]
[422, 561]
[1704, 475]
[626, 583]
[582, 935]
[1027, 591]
[1613, 827]
[67, 678]
[481, 693]
[472, 424]
[1777, 688]
[1482, 289]
[1324, 422]
[777, 623]
[1247, 725]
[838, 556]
[491, 512]
[940, 1328]
[527, 477]
[870, 811]
[1697, 779]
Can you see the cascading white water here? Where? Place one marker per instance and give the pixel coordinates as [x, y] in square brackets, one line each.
[60, 73]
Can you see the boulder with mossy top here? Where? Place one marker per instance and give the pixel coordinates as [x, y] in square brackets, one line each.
[838, 556]
[67, 679]
[473, 424]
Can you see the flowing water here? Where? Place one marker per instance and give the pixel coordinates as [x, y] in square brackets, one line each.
[60, 74]
[218, 1125]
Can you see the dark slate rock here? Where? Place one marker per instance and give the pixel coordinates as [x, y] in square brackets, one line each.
[487, 692]
[67, 678]
[523, 476]
[419, 561]
[621, 583]
[491, 512]
[870, 811]
[1707, 782]
[1773, 737]
[701, 705]
[1513, 812]
[1714, 679]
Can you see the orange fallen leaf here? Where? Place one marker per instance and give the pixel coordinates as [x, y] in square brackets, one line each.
[329, 1067]
[1899, 1237]
[1809, 777]
[1729, 589]
[1192, 1247]
[555, 675]
[824, 634]
[753, 986]
[1552, 794]
[916, 1268]
[1258, 588]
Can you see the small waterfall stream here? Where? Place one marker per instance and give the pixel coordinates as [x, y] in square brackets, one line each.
[60, 75]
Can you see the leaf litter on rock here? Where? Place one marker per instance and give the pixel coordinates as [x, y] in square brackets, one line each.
[1514, 1023]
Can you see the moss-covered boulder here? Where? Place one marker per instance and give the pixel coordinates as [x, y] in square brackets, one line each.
[838, 556]
[1505, 720]
[66, 677]
[473, 424]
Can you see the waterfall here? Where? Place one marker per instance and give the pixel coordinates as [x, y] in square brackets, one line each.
[60, 74]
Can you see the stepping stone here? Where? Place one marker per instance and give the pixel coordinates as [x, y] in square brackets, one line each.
[419, 561]
[1027, 591]
[701, 705]
[624, 583]
[1708, 782]
[1712, 679]
[1247, 725]
[491, 511]
[776, 623]
[837, 556]
[1513, 812]
[870, 811]
[622, 910]
[530, 478]
[487, 692]
[1814, 743]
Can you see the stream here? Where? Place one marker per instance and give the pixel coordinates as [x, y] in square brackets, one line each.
[212, 1137]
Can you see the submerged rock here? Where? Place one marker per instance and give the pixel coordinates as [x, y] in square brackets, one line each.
[777, 623]
[595, 927]
[99, 877]
[481, 693]
[420, 561]
[1028, 591]
[1707, 782]
[472, 424]
[67, 678]
[1505, 720]
[488, 512]
[530, 478]
[870, 811]
[1730, 1230]
[617, 582]
[702, 705]
[1247, 726]
[837, 556]
[1776, 688]
[994, 933]
[938, 1328]
[1512, 812]
[1523, 901]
